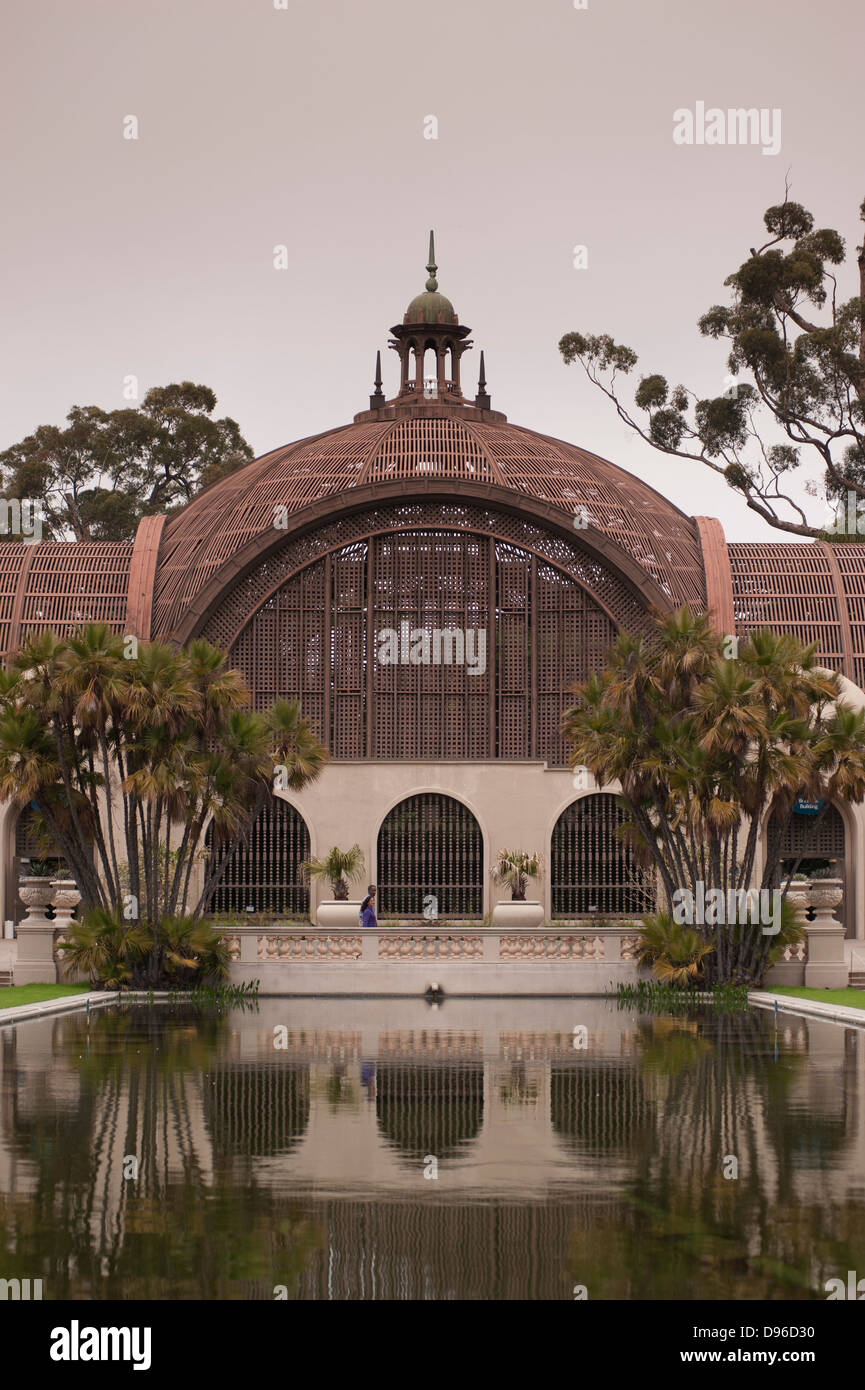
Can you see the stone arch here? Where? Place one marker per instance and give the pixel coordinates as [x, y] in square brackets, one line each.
[592, 873]
[21, 843]
[508, 619]
[829, 840]
[264, 872]
[430, 844]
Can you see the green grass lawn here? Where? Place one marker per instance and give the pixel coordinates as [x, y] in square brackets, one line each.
[37, 994]
[852, 998]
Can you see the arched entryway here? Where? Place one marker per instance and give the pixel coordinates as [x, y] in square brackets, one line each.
[815, 841]
[430, 845]
[592, 872]
[31, 846]
[264, 874]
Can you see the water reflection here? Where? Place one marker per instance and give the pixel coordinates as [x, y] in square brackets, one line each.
[153, 1153]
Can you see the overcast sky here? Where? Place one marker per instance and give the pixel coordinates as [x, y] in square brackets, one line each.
[304, 126]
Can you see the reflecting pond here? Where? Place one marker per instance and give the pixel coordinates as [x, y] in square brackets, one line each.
[388, 1149]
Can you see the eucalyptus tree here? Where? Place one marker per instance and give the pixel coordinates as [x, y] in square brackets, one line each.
[130, 751]
[795, 389]
[704, 745]
[99, 474]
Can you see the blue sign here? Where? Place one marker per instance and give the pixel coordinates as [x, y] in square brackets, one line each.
[808, 808]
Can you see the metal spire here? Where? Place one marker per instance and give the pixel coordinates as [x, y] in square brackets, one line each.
[482, 399]
[432, 283]
[377, 398]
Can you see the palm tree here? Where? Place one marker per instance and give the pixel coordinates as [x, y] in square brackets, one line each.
[514, 868]
[339, 867]
[166, 737]
[703, 743]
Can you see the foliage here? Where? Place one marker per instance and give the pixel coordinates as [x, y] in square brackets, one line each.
[806, 395]
[130, 754]
[243, 996]
[339, 866]
[826, 871]
[703, 747]
[790, 933]
[109, 950]
[650, 996]
[675, 952]
[513, 868]
[40, 868]
[97, 477]
[117, 954]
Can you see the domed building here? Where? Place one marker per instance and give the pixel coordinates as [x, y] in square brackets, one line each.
[428, 580]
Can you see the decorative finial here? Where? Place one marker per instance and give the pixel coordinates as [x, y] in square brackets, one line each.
[377, 400]
[432, 283]
[482, 399]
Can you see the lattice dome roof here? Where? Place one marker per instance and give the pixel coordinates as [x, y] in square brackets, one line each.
[437, 444]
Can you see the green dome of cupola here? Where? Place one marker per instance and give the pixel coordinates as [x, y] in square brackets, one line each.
[431, 307]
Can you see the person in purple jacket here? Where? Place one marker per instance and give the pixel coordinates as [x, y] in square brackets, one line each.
[367, 910]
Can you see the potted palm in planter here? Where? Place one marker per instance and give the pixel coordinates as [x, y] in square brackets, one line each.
[513, 869]
[339, 867]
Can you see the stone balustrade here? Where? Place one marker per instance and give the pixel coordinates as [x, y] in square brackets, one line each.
[467, 959]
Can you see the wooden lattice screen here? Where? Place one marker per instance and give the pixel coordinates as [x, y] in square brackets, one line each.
[808, 838]
[430, 845]
[535, 630]
[264, 873]
[592, 871]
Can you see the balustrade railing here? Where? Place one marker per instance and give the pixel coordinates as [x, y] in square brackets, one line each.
[588, 943]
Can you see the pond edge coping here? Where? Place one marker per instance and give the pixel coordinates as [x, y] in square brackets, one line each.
[809, 1008]
[19, 1013]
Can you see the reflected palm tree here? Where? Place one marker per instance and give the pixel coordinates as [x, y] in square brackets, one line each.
[133, 1191]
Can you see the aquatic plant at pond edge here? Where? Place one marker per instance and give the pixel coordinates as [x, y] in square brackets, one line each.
[652, 996]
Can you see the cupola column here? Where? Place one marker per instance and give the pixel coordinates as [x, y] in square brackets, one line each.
[441, 369]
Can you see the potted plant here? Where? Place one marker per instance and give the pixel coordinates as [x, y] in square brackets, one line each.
[339, 867]
[513, 869]
[799, 892]
[35, 889]
[827, 887]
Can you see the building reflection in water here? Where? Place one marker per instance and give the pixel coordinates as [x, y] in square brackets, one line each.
[307, 1166]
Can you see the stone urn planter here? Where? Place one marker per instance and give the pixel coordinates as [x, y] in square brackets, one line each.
[826, 894]
[525, 914]
[65, 898]
[827, 966]
[35, 960]
[338, 913]
[799, 894]
[35, 894]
